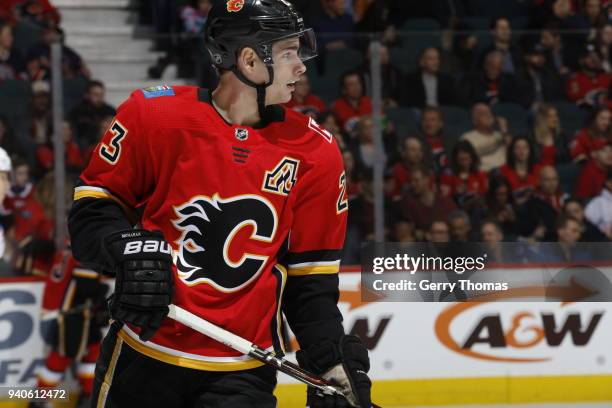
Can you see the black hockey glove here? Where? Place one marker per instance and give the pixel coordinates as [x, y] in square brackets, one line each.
[142, 263]
[346, 365]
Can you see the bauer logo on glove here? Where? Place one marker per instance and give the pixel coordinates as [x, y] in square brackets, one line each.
[141, 261]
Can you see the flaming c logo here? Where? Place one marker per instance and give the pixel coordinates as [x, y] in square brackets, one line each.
[235, 5]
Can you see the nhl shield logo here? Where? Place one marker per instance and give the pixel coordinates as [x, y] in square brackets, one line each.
[241, 134]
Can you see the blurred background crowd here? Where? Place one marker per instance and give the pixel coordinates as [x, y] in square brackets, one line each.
[497, 120]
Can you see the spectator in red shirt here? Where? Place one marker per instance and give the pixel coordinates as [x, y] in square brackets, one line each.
[22, 188]
[32, 229]
[413, 154]
[593, 174]
[304, 101]
[600, 128]
[588, 86]
[423, 204]
[549, 140]
[353, 104]
[521, 169]
[463, 181]
[432, 129]
[74, 157]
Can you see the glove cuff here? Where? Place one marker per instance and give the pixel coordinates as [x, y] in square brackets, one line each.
[318, 358]
[321, 357]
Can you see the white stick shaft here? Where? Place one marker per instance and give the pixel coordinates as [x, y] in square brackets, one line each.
[211, 330]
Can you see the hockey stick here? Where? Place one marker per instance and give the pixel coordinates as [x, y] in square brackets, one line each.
[246, 347]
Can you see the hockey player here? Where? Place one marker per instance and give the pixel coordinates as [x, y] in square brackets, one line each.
[72, 317]
[241, 207]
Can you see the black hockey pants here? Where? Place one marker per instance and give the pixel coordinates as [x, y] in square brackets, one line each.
[125, 378]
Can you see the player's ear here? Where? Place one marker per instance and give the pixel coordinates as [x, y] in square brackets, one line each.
[247, 58]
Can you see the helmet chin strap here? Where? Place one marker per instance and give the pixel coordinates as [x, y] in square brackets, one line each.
[260, 88]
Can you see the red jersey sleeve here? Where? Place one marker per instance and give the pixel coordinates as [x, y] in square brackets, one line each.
[120, 163]
[319, 223]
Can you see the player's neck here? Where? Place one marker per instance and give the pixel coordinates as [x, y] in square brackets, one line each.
[236, 104]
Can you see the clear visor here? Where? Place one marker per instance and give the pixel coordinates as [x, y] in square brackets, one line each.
[294, 48]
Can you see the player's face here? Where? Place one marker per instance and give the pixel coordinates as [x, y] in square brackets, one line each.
[288, 67]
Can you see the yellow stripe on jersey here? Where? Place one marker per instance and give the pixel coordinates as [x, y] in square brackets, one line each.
[188, 362]
[85, 273]
[98, 193]
[94, 192]
[314, 270]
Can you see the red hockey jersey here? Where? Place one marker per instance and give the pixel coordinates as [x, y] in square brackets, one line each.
[233, 202]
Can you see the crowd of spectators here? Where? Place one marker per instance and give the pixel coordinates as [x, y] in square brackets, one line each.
[27, 30]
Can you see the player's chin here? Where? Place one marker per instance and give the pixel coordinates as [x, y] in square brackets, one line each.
[282, 97]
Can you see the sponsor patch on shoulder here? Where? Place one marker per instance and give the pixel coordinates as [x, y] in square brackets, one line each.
[156, 91]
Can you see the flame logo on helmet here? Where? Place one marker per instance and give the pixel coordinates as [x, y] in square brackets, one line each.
[234, 6]
[208, 227]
